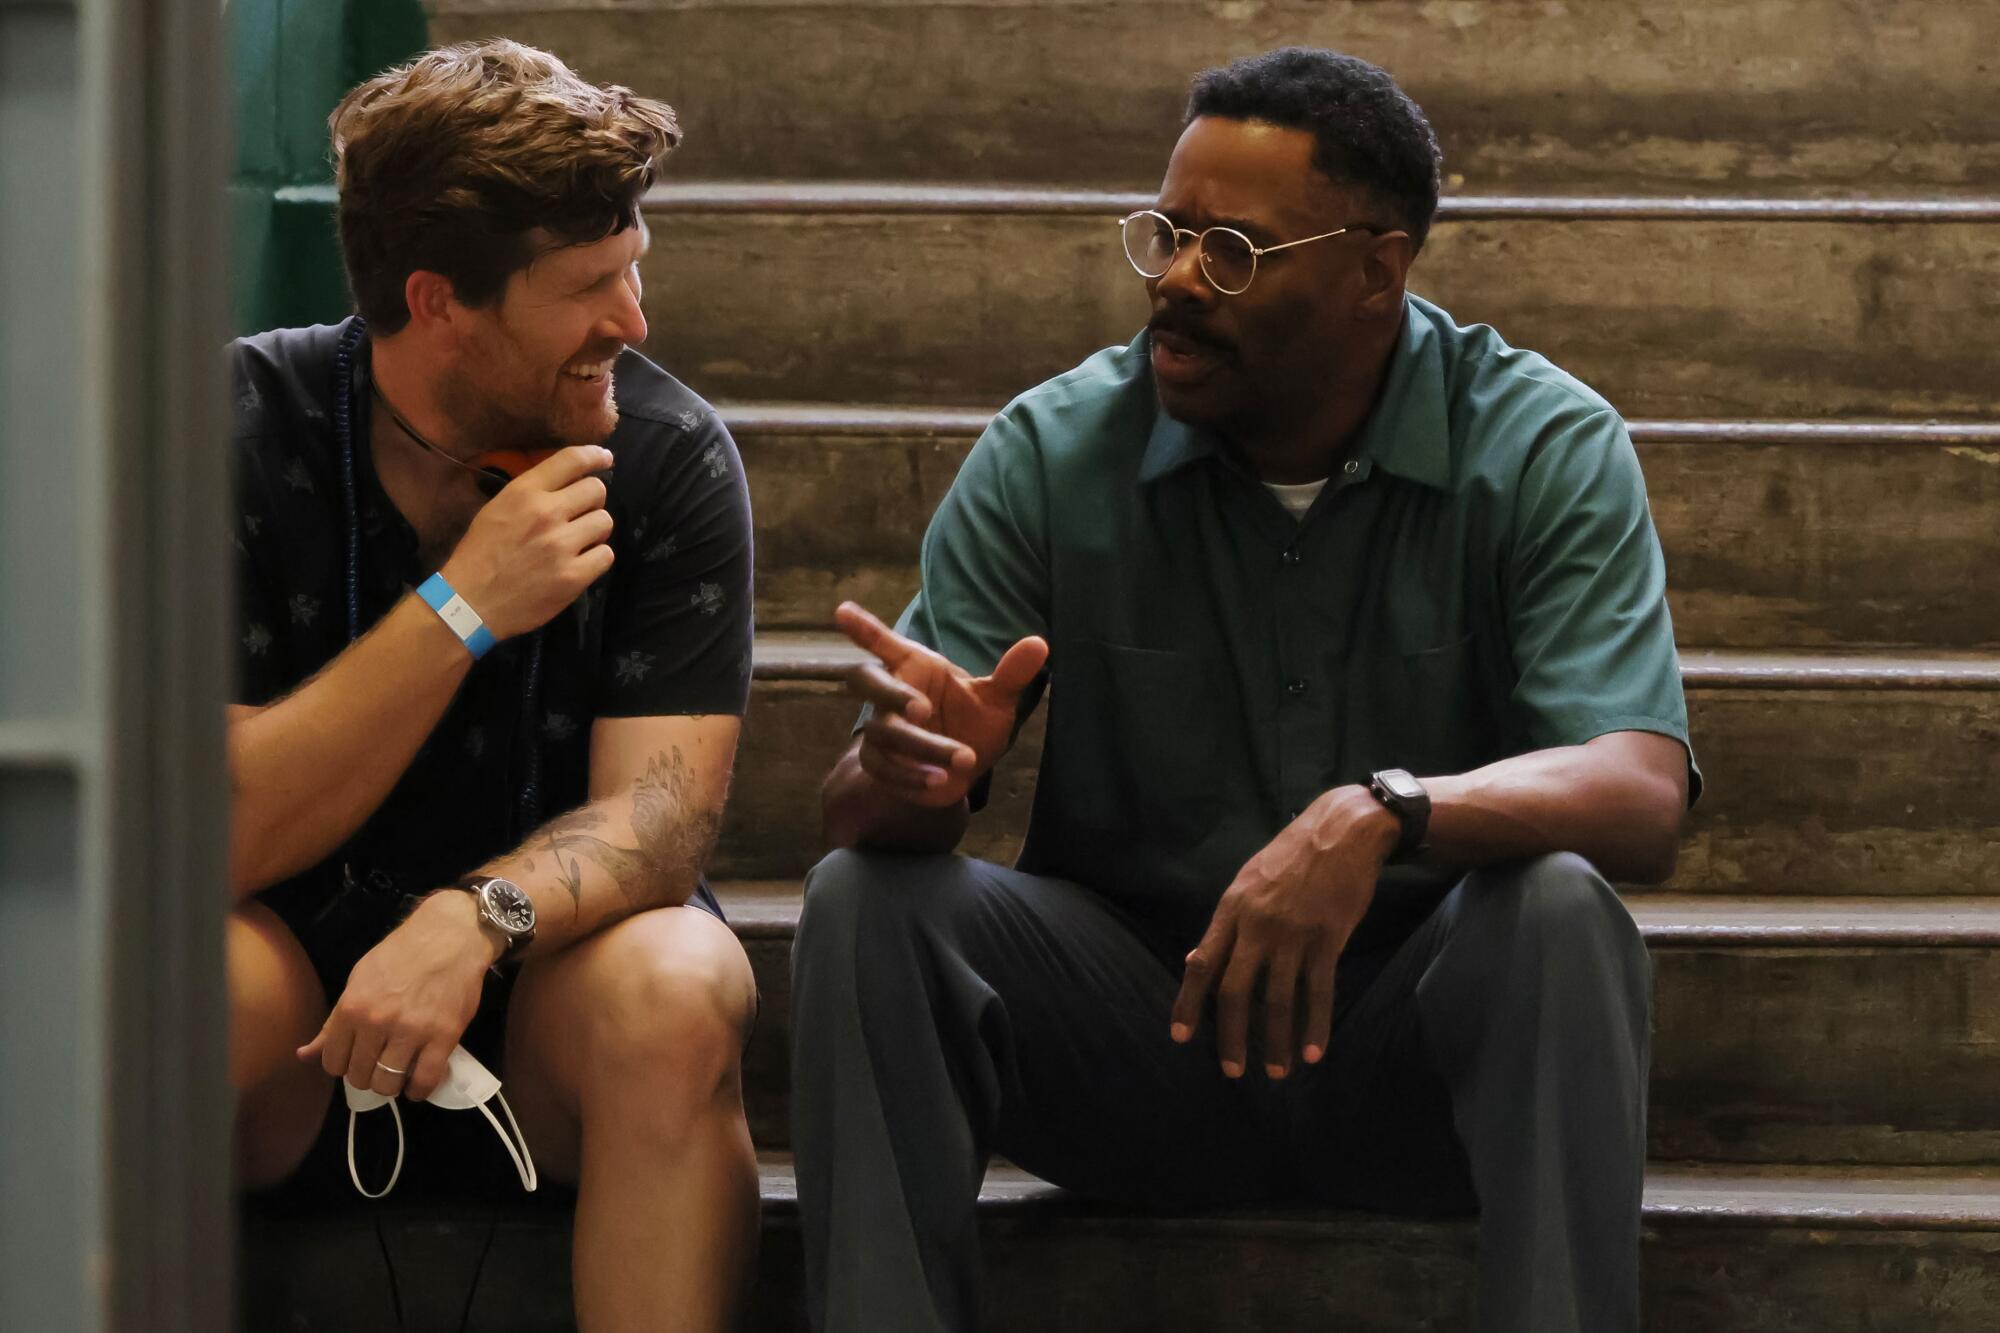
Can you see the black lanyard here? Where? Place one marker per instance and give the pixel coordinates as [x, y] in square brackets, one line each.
[528, 805]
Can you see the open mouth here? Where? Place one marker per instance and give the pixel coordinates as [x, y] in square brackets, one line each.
[592, 372]
[1182, 360]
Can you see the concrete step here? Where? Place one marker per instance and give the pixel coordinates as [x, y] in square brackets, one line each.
[1805, 534]
[1785, 95]
[1669, 308]
[1774, 1251]
[1827, 773]
[1824, 1030]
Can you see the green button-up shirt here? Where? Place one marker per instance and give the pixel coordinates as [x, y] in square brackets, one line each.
[1480, 579]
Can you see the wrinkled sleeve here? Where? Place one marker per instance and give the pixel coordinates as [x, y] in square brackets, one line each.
[1592, 638]
[680, 614]
[984, 567]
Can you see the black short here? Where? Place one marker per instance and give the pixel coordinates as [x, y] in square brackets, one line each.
[449, 1153]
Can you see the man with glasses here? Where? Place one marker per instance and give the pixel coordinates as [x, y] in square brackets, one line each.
[1362, 688]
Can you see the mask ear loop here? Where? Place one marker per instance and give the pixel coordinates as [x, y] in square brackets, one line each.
[524, 1161]
[354, 1172]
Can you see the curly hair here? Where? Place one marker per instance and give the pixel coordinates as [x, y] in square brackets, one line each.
[471, 159]
[1367, 133]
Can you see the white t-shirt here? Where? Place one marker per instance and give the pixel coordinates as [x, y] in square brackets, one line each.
[1297, 499]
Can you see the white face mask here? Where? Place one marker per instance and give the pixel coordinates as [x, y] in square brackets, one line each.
[468, 1086]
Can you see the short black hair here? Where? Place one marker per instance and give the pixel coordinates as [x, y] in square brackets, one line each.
[1367, 132]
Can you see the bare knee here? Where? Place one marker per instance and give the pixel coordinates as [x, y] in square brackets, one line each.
[672, 1000]
[275, 1005]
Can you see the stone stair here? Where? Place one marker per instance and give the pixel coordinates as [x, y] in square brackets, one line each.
[843, 493]
[1832, 1031]
[1777, 97]
[1768, 232]
[1753, 1250]
[1828, 773]
[1682, 308]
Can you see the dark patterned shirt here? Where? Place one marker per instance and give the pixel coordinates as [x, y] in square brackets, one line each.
[666, 632]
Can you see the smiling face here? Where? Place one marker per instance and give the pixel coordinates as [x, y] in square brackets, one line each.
[1269, 355]
[533, 370]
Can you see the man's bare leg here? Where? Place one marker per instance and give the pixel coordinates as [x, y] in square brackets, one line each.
[624, 1064]
[274, 1006]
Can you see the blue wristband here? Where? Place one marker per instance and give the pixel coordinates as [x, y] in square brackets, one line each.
[461, 619]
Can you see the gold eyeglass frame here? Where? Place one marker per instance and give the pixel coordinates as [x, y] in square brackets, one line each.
[1257, 252]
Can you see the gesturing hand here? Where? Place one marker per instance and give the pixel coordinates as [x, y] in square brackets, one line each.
[936, 728]
[1286, 918]
[408, 1001]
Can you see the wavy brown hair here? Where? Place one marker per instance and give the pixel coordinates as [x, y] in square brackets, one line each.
[472, 159]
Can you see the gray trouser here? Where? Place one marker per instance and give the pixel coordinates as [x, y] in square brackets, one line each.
[945, 1009]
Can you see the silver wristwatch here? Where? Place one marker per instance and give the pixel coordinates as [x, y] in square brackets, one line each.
[504, 906]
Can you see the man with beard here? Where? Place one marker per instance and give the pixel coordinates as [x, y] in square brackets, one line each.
[496, 630]
[1361, 687]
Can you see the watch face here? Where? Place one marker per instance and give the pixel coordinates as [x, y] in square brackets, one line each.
[511, 909]
[1401, 785]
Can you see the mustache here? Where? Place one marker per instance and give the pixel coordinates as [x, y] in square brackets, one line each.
[1180, 325]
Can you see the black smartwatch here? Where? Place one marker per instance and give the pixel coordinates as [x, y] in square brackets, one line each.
[1407, 800]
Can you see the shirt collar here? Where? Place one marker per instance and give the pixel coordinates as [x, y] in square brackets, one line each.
[1408, 434]
[1173, 445]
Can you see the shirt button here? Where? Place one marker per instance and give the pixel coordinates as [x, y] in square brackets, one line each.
[1292, 557]
[1295, 688]
[1351, 467]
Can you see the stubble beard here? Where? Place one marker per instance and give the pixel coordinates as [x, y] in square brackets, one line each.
[485, 421]
[595, 426]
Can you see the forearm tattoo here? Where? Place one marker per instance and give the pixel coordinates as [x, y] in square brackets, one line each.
[673, 837]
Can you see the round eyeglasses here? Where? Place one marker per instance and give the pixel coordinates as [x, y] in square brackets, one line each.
[1228, 257]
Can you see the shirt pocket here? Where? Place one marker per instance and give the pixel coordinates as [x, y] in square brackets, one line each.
[1133, 735]
[1435, 710]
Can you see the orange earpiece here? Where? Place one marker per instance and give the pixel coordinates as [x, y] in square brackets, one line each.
[512, 462]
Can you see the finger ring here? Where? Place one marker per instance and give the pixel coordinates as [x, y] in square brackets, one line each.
[389, 1069]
